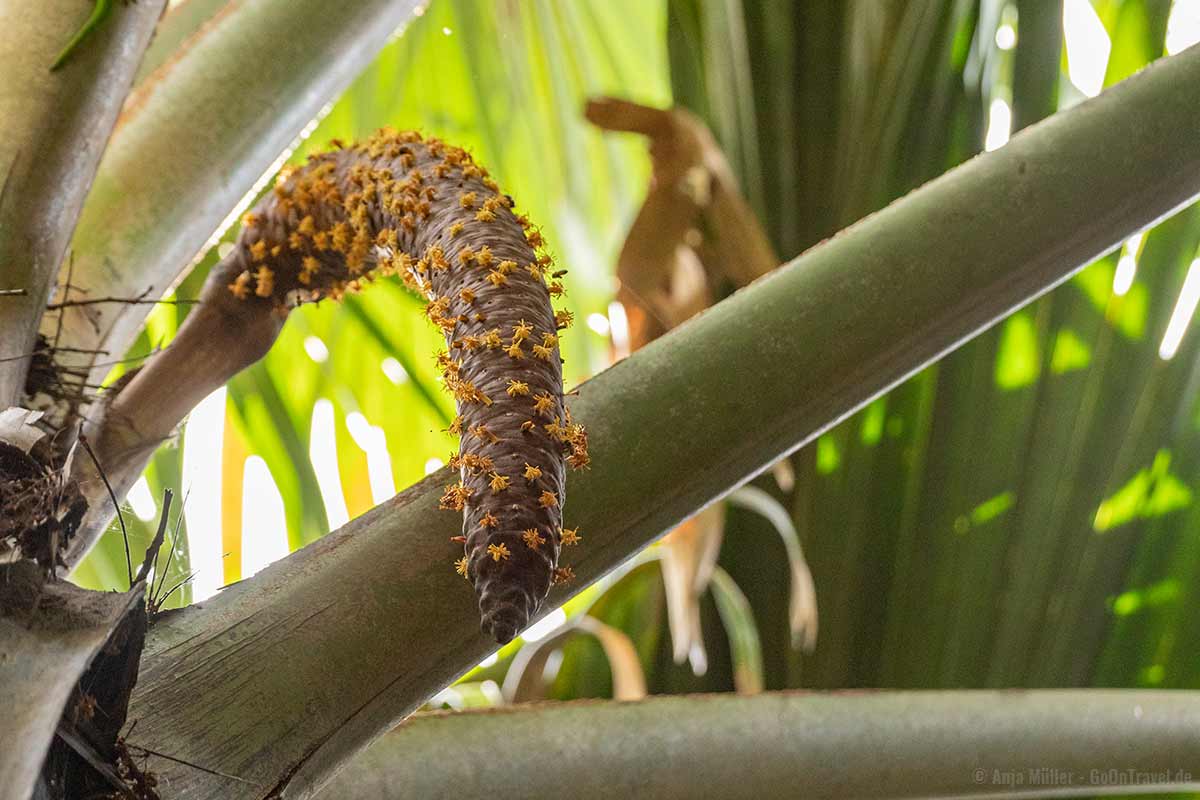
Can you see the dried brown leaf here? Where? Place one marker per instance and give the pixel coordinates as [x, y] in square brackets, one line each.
[525, 681]
[694, 231]
[688, 556]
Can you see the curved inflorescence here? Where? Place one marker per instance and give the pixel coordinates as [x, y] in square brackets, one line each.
[400, 204]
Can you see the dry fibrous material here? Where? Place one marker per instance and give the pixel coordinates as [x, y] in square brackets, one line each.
[39, 507]
[400, 204]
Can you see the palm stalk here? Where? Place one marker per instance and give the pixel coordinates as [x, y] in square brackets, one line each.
[881, 746]
[53, 128]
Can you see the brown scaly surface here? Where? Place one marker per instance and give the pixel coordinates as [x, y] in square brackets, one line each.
[399, 204]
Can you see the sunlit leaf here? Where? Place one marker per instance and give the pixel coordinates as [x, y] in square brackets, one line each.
[1070, 352]
[1130, 602]
[233, 477]
[1152, 492]
[1017, 363]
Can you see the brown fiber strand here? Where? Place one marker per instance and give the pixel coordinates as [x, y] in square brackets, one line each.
[423, 210]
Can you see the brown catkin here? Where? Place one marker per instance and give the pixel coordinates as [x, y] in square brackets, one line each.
[398, 204]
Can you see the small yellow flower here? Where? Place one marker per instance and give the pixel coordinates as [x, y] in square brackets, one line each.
[514, 350]
[498, 551]
[484, 433]
[532, 540]
[258, 250]
[543, 404]
[532, 473]
[241, 286]
[455, 496]
[437, 258]
[570, 536]
[460, 566]
[266, 281]
[467, 199]
[341, 236]
[489, 521]
[310, 268]
[499, 482]
[521, 331]
[548, 499]
[387, 238]
[476, 462]
[516, 388]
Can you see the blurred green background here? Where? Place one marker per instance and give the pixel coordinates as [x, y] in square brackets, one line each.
[1021, 514]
